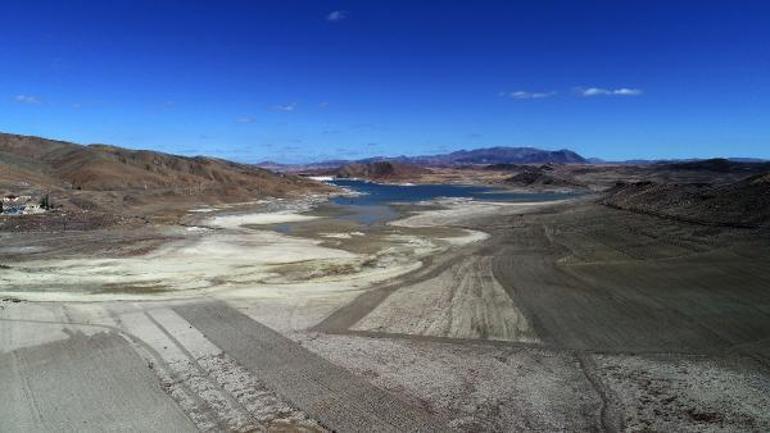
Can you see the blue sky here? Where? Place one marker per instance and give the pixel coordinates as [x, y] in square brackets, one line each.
[308, 80]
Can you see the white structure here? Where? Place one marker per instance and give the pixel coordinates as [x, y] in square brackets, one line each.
[15, 199]
[32, 208]
[20, 205]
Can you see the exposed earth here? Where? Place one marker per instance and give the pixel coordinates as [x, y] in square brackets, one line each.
[640, 308]
[464, 316]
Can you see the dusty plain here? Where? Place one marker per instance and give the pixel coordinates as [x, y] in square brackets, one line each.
[457, 316]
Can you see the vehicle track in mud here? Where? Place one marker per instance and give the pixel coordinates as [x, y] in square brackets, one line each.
[620, 304]
[327, 392]
[596, 281]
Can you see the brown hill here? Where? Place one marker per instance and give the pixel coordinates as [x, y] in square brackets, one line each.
[719, 165]
[381, 170]
[543, 176]
[744, 203]
[112, 178]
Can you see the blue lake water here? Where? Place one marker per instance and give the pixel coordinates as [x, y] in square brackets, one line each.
[373, 204]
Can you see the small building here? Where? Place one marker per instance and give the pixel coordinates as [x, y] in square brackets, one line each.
[33, 208]
[12, 199]
[20, 205]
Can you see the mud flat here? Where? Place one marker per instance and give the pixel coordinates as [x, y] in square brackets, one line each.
[325, 391]
[631, 304]
[455, 212]
[460, 316]
[479, 387]
[74, 364]
[83, 384]
[510, 389]
[687, 395]
[238, 252]
[465, 301]
[596, 278]
[237, 221]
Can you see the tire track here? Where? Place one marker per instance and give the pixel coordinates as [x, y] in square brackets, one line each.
[337, 398]
[232, 404]
[81, 384]
[609, 420]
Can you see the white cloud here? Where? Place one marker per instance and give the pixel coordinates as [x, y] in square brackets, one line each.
[598, 91]
[286, 107]
[624, 91]
[336, 16]
[522, 94]
[245, 119]
[593, 91]
[27, 99]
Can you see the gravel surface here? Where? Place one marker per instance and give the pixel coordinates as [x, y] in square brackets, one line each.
[465, 301]
[482, 388]
[688, 395]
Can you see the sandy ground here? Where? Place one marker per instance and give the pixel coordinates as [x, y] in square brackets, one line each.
[482, 388]
[232, 253]
[465, 301]
[234, 259]
[236, 221]
[688, 395]
[84, 383]
[191, 378]
[493, 388]
[459, 212]
[462, 316]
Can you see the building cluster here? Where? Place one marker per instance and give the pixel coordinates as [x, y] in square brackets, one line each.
[22, 205]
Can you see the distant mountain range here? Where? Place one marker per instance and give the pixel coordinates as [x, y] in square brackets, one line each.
[484, 156]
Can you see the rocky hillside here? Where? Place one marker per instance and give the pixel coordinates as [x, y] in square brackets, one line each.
[109, 177]
[744, 203]
[541, 177]
[718, 165]
[380, 170]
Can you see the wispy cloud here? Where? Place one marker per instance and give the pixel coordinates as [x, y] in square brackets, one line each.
[598, 91]
[245, 119]
[523, 94]
[323, 104]
[336, 16]
[285, 107]
[27, 99]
